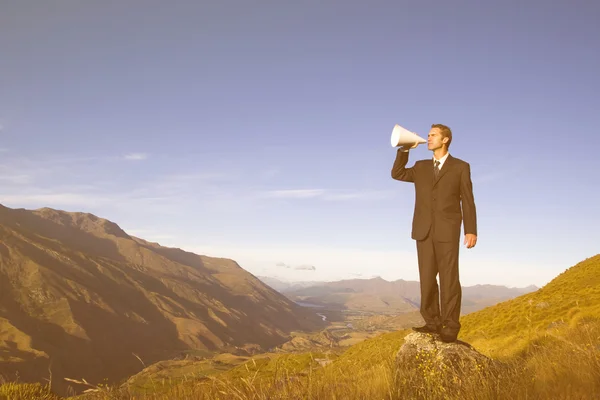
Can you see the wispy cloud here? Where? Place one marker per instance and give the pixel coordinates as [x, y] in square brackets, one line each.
[88, 183]
[136, 156]
[52, 182]
[303, 267]
[335, 263]
[53, 199]
[21, 179]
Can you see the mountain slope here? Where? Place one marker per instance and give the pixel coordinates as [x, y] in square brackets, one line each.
[83, 297]
[572, 296]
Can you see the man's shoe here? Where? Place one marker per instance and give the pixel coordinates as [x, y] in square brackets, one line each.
[426, 329]
[448, 337]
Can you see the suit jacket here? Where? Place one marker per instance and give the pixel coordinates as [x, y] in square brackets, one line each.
[440, 204]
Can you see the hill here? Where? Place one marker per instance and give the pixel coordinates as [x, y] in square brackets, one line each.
[570, 298]
[80, 298]
[378, 295]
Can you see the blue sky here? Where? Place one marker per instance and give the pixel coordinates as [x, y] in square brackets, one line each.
[261, 132]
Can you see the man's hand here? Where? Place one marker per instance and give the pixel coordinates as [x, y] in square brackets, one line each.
[407, 147]
[470, 240]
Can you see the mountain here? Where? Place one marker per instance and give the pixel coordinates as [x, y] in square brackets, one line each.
[80, 298]
[379, 295]
[282, 286]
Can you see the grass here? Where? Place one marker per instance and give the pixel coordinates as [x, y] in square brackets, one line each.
[26, 391]
[509, 327]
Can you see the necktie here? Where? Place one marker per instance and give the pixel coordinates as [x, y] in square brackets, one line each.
[436, 169]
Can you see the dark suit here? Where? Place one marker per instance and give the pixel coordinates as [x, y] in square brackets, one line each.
[440, 206]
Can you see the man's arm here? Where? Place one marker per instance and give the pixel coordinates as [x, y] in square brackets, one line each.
[468, 206]
[399, 170]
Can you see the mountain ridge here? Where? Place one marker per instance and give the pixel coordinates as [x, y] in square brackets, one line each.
[79, 294]
[376, 294]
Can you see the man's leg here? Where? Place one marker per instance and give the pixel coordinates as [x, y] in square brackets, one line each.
[450, 291]
[430, 309]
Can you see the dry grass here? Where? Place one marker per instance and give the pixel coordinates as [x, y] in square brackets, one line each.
[557, 367]
[26, 391]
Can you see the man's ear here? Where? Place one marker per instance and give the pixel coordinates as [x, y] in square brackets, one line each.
[445, 139]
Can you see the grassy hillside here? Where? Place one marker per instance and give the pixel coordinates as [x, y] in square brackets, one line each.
[508, 327]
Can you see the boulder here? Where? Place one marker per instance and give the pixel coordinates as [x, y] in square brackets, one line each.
[421, 350]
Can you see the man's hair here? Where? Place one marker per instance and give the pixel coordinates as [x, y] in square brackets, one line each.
[445, 131]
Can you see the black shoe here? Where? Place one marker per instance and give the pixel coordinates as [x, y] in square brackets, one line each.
[448, 337]
[426, 329]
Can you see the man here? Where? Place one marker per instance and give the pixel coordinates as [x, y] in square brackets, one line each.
[442, 186]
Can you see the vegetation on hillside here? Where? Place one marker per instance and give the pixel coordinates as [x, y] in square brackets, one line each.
[549, 313]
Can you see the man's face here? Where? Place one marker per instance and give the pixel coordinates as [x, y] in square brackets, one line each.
[435, 140]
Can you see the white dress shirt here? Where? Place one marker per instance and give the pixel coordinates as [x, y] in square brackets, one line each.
[441, 160]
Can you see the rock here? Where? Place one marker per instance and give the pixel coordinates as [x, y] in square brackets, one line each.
[323, 361]
[543, 304]
[421, 351]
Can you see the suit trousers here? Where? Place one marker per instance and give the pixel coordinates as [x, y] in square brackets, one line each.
[440, 306]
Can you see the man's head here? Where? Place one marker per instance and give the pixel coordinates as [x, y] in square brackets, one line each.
[439, 135]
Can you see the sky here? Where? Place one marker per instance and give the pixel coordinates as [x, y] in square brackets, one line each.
[260, 131]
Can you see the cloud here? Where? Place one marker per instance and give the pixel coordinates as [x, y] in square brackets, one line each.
[21, 179]
[305, 268]
[136, 156]
[53, 199]
[335, 262]
[80, 184]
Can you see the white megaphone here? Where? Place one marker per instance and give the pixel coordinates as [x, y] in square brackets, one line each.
[401, 137]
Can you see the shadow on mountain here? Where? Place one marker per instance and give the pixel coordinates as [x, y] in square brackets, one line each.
[113, 337]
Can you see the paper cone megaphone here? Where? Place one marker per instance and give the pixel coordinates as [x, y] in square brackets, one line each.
[401, 136]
